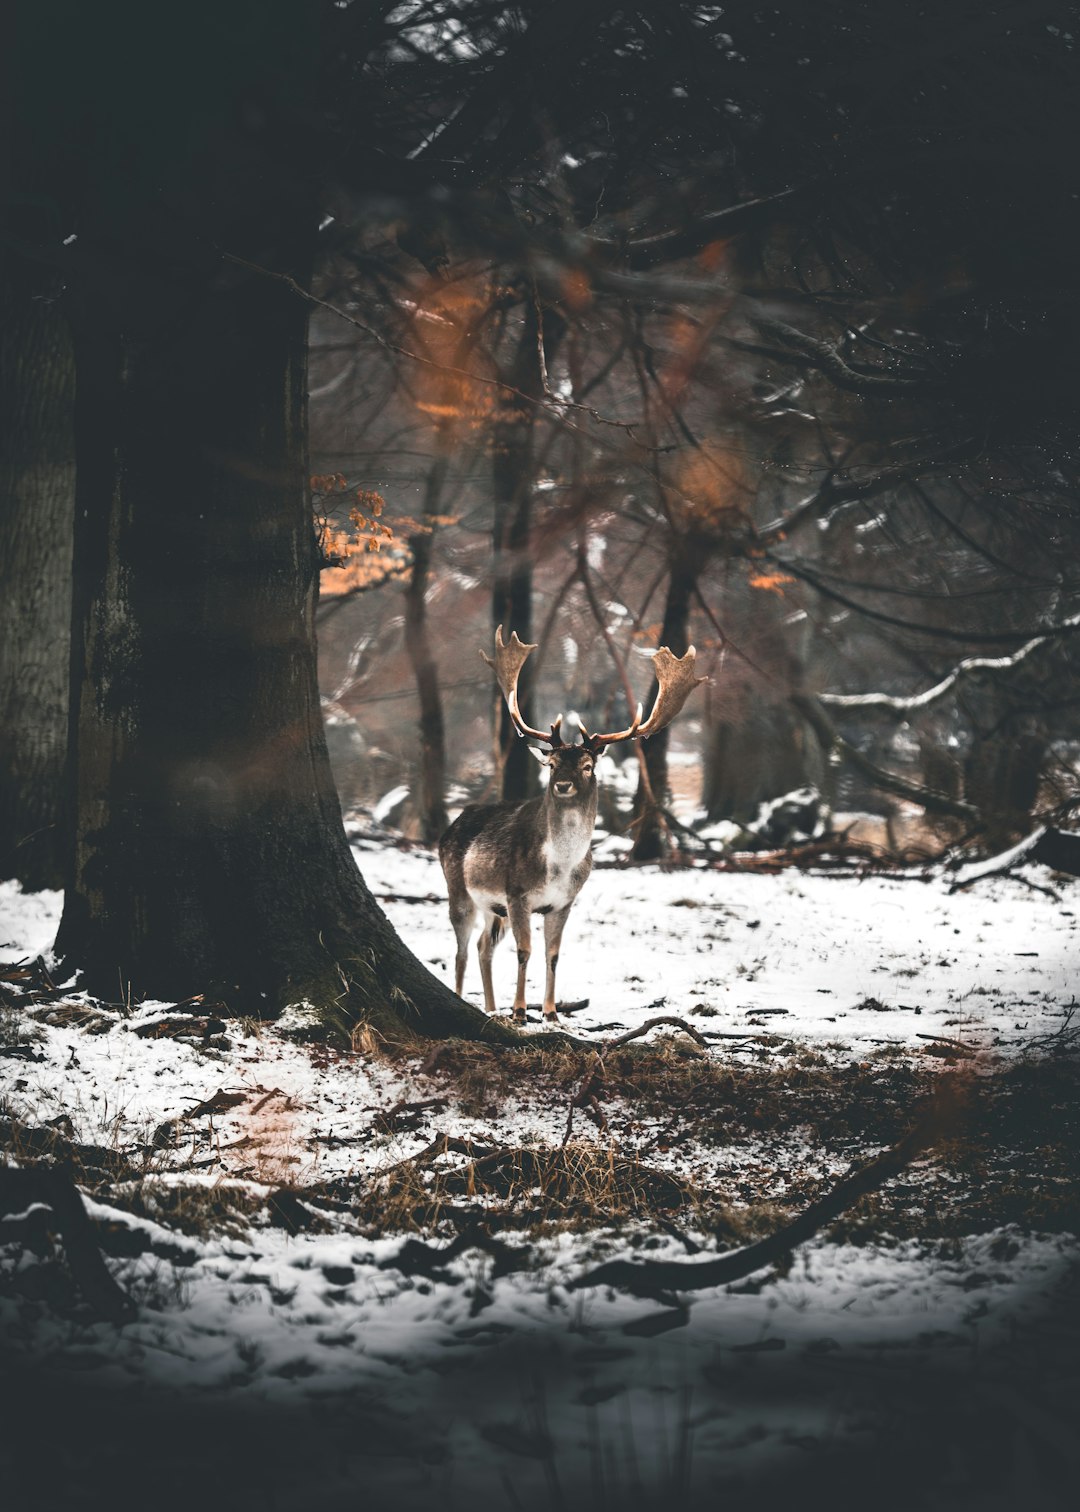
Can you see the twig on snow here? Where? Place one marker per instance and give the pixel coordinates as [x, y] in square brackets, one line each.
[588, 1094]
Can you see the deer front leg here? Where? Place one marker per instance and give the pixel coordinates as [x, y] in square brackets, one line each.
[553, 928]
[521, 924]
[490, 935]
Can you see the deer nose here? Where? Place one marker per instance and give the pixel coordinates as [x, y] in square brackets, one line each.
[564, 789]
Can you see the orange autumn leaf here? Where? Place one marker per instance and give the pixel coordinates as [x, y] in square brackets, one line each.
[771, 582]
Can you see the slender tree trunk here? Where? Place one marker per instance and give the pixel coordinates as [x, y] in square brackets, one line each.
[512, 474]
[651, 841]
[431, 764]
[37, 498]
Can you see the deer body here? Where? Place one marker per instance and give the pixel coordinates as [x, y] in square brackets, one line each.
[508, 861]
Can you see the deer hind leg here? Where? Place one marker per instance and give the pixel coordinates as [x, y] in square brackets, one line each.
[490, 935]
[462, 918]
[521, 924]
[553, 928]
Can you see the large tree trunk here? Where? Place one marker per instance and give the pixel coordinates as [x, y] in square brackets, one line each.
[209, 851]
[756, 750]
[37, 497]
[209, 854]
[651, 836]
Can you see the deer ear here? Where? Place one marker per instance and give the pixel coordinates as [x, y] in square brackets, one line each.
[540, 754]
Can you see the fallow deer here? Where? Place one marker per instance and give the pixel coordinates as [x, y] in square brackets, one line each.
[508, 861]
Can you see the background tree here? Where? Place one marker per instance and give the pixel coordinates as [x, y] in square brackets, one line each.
[779, 233]
[37, 496]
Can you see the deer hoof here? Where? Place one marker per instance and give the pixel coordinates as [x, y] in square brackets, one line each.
[519, 1015]
[552, 1020]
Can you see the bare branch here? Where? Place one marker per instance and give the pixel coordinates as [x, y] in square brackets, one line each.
[972, 664]
[829, 362]
[939, 632]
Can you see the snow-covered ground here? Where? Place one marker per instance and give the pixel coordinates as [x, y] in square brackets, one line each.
[801, 955]
[472, 1379]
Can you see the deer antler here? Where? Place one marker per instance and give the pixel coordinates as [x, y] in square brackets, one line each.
[507, 663]
[677, 680]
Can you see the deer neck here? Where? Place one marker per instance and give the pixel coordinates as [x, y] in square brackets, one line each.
[569, 824]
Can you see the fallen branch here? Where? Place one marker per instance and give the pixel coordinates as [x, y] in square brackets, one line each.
[650, 1277]
[417, 1258]
[889, 782]
[653, 1023]
[406, 1115]
[391, 897]
[1058, 849]
[176, 1028]
[949, 1046]
[221, 1102]
[588, 1094]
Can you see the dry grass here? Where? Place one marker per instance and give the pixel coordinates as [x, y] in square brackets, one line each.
[1015, 1156]
[198, 1209]
[715, 1100]
[785, 1121]
[15, 1031]
[579, 1185]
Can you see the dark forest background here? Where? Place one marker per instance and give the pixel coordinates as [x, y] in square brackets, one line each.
[620, 325]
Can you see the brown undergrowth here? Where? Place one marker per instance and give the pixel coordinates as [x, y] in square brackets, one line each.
[792, 1122]
[668, 1140]
[577, 1185]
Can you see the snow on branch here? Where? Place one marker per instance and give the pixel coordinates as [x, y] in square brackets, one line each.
[897, 705]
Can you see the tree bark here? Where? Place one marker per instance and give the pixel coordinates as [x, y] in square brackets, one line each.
[431, 764]
[651, 839]
[1002, 774]
[512, 475]
[754, 752]
[37, 498]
